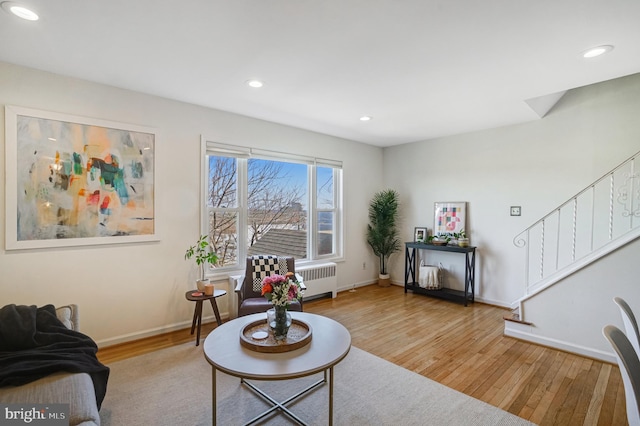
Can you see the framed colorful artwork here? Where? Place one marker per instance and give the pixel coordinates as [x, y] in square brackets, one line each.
[73, 181]
[449, 217]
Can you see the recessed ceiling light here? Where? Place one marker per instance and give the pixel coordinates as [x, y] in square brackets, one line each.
[255, 83]
[20, 11]
[597, 51]
[365, 118]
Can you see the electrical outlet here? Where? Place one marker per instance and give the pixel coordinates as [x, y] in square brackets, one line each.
[515, 211]
[364, 265]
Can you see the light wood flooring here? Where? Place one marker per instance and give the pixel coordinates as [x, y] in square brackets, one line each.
[462, 348]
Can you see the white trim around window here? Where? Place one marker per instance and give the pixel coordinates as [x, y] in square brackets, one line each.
[243, 154]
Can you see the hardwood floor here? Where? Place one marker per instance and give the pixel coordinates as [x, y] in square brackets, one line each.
[462, 348]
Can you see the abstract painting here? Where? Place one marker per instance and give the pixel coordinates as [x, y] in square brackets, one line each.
[77, 181]
[449, 218]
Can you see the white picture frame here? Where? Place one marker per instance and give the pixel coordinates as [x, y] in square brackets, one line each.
[420, 234]
[449, 217]
[75, 181]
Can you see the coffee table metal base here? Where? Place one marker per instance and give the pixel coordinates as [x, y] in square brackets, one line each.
[330, 345]
[282, 405]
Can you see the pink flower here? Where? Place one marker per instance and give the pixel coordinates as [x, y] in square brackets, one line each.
[293, 292]
[280, 290]
[274, 279]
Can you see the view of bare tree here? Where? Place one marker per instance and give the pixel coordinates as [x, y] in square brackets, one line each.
[325, 192]
[273, 202]
[223, 193]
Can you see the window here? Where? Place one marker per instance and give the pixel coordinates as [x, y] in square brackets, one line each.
[263, 202]
[326, 211]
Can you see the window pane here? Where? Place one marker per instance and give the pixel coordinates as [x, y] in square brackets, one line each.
[277, 208]
[224, 236]
[325, 233]
[223, 182]
[223, 194]
[324, 181]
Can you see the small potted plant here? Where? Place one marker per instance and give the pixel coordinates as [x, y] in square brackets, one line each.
[203, 253]
[463, 241]
[441, 240]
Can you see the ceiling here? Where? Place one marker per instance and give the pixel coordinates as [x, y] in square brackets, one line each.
[420, 68]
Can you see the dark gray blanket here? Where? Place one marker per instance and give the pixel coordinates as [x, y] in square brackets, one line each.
[34, 343]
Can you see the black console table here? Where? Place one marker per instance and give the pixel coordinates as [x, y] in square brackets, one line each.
[410, 270]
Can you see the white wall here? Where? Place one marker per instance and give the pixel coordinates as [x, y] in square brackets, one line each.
[571, 314]
[129, 291]
[141, 289]
[536, 165]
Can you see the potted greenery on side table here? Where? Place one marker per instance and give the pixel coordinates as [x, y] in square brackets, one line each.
[463, 240]
[382, 230]
[203, 253]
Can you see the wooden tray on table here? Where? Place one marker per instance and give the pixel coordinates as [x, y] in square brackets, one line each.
[298, 336]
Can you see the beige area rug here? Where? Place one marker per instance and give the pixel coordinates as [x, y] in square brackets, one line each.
[173, 387]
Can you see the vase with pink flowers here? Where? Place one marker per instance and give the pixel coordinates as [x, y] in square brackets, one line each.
[280, 290]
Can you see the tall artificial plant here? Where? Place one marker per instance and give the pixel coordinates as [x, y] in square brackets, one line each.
[203, 253]
[382, 230]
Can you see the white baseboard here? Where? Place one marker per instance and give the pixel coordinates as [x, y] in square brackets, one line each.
[492, 302]
[356, 285]
[476, 298]
[156, 331]
[519, 331]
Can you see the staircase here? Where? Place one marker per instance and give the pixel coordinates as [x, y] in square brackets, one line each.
[514, 316]
[601, 218]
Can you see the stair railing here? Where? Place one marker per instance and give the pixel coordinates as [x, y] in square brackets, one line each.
[606, 211]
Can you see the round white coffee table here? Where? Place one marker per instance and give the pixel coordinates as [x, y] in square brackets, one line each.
[330, 343]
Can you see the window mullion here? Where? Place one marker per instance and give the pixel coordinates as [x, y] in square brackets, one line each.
[339, 212]
[243, 208]
[312, 251]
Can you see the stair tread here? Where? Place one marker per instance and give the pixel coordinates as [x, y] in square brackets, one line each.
[514, 316]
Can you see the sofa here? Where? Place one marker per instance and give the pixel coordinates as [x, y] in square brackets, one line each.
[44, 359]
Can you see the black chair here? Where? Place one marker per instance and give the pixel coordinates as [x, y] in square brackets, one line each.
[249, 288]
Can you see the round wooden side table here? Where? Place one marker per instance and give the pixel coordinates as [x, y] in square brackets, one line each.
[197, 313]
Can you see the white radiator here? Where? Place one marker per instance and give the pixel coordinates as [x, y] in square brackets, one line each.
[319, 279]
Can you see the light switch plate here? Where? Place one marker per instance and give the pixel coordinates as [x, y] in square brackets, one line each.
[515, 210]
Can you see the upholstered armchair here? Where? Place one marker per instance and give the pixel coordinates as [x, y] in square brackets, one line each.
[249, 288]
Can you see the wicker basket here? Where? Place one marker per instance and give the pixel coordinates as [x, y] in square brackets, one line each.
[430, 277]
